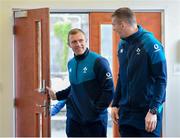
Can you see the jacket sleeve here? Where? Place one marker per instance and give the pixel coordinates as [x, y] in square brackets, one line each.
[117, 94]
[105, 80]
[158, 71]
[61, 95]
[57, 107]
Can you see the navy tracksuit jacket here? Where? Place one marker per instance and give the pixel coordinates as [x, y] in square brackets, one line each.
[142, 79]
[91, 88]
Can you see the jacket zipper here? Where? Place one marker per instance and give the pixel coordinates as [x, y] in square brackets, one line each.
[129, 98]
[77, 71]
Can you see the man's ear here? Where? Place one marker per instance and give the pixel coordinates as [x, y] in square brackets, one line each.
[123, 24]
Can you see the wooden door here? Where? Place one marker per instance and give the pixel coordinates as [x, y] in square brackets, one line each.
[31, 44]
[149, 20]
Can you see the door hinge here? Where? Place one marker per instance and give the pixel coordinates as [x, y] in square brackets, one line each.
[14, 102]
[14, 29]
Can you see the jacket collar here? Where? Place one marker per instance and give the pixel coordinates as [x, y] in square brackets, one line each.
[135, 35]
[81, 57]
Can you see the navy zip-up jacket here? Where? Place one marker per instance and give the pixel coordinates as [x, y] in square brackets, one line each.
[142, 75]
[91, 89]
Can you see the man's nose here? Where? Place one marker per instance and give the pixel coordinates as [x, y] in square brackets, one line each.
[78, 43]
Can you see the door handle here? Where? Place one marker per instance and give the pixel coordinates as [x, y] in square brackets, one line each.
[42, 87]
[45, 107]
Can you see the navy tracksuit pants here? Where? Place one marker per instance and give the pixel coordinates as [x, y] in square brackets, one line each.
[91, 129]
[130, 131]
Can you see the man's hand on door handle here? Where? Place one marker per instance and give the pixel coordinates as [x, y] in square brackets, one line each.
[51, 93]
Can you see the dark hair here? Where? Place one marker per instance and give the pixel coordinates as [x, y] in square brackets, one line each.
[125, 14]
[75, 31]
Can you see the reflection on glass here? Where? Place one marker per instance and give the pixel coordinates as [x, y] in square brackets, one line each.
[39, 123]
[39, 48]
[106, 51]
[106, 42]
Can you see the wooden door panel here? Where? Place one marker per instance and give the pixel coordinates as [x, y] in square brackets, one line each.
[96, 19]
[149, 20]
[28, 114]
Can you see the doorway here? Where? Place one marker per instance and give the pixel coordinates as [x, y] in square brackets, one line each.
[60, 54]
[95, 26]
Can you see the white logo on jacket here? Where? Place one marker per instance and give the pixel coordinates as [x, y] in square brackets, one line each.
[156, 47]
[108, 75]
[138, 50]
[70, 70]
[121, 50]
[85, 70]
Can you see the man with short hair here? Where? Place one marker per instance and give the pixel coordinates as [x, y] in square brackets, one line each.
[141, 87]
[90, 91]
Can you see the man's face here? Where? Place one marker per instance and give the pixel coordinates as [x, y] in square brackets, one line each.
[78, 43]
[118, 26]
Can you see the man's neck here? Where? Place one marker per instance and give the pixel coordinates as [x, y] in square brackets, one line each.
[132, 30]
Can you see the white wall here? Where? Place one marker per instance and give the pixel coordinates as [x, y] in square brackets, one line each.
[171, 40]
[0, 75]
[6, 87]
[172, 29]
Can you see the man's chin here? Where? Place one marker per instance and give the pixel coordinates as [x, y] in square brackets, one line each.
[80, 52]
